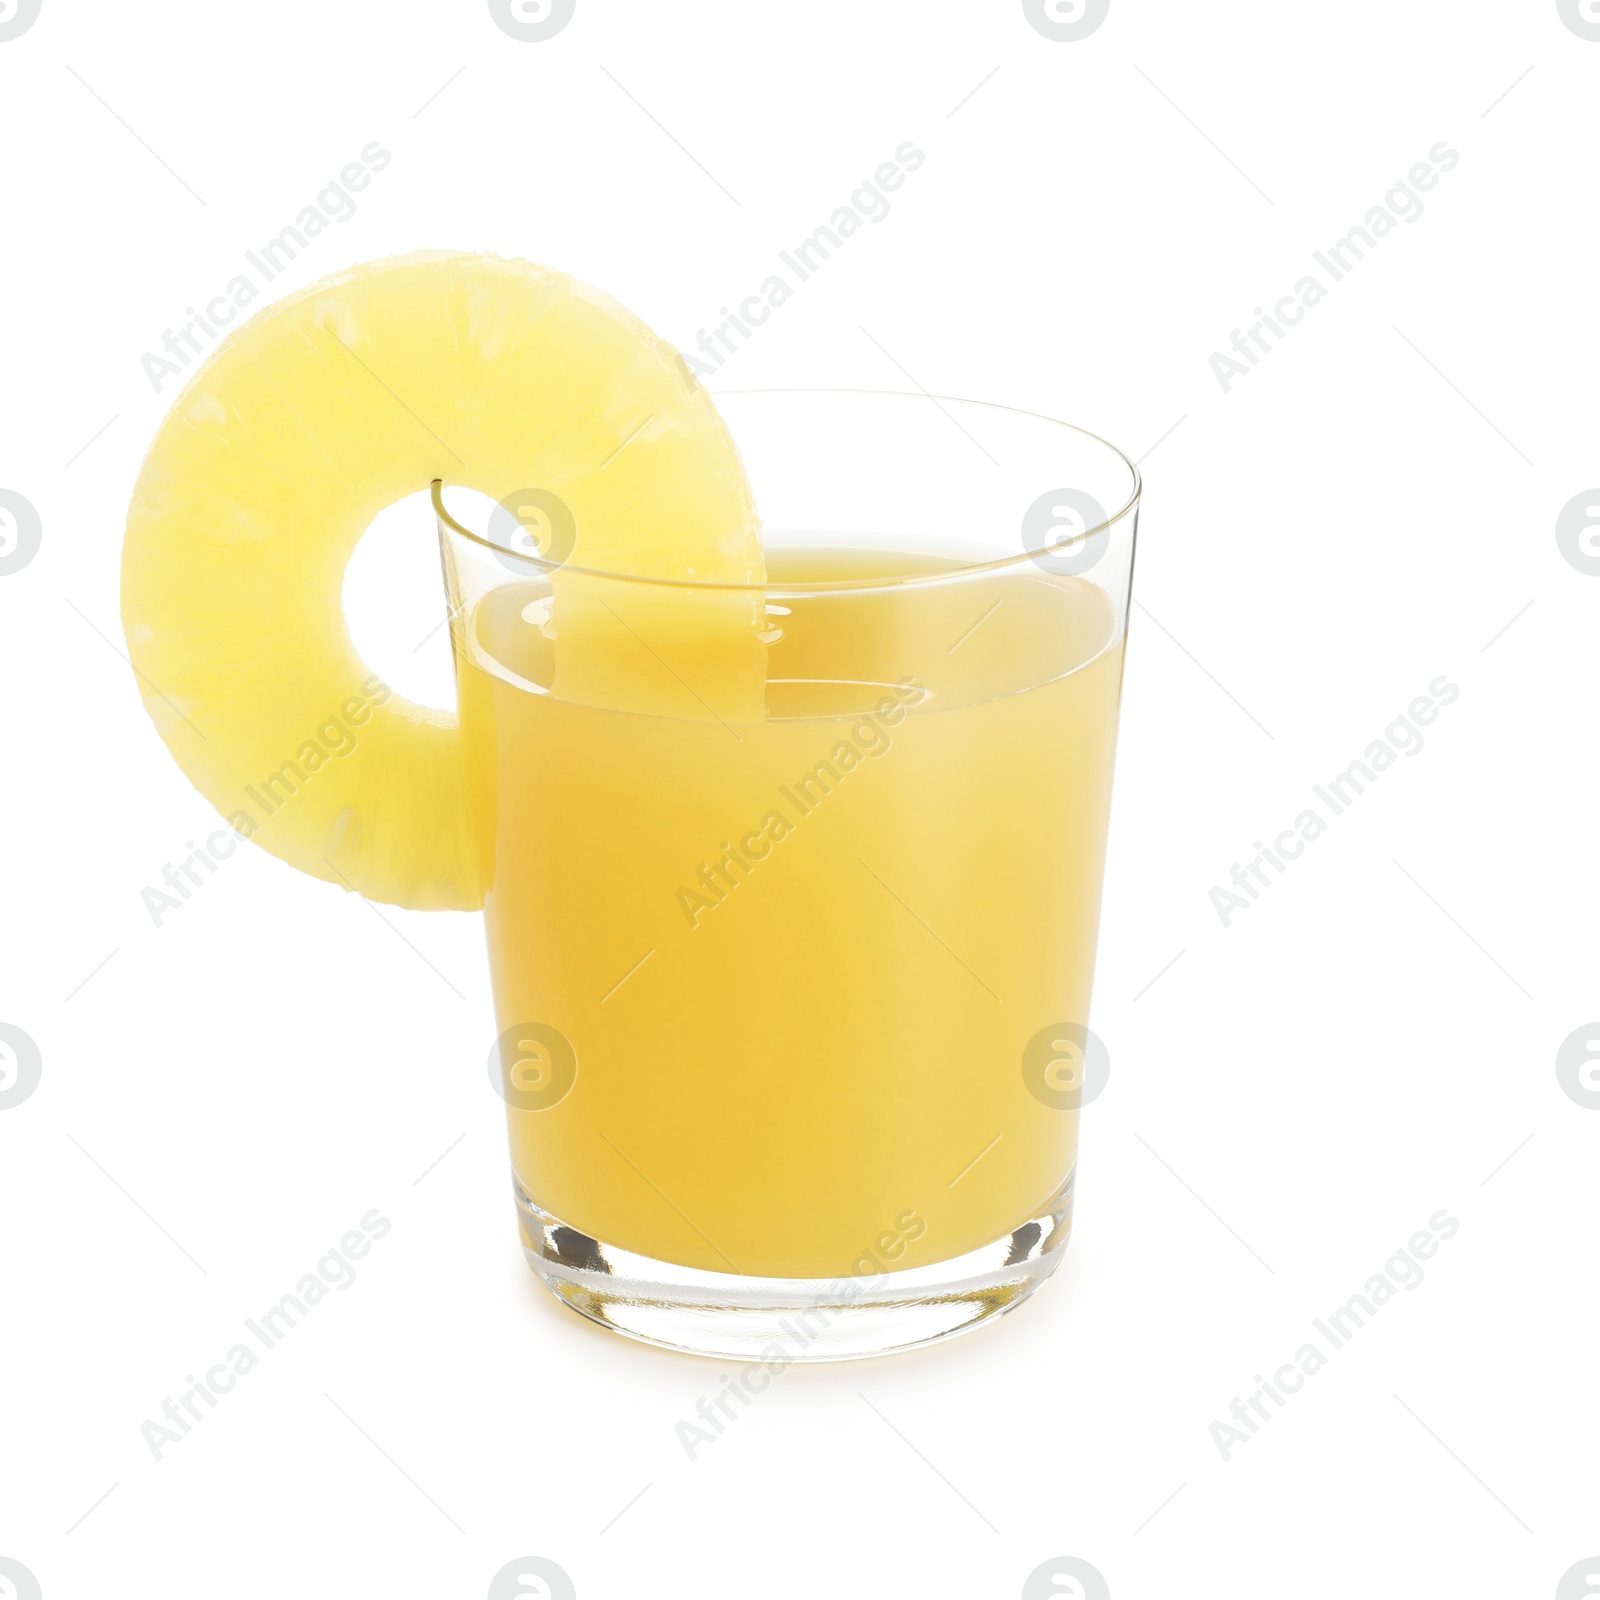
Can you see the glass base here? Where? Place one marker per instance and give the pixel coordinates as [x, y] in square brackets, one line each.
[786, 1320]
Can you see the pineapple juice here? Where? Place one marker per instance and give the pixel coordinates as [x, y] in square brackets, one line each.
[797, 939]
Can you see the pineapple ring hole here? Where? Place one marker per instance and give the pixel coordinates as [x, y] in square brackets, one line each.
[394, 600]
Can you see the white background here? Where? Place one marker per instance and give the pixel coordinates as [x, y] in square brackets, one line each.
[1290, 1099]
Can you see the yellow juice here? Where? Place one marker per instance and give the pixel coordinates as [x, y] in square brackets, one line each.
[798, 936]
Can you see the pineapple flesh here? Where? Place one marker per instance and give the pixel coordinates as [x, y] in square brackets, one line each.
[488, 373]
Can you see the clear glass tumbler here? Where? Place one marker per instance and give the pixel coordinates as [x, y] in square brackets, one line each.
[793, 891]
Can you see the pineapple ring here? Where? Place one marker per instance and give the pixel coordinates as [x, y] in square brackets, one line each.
[301, 427]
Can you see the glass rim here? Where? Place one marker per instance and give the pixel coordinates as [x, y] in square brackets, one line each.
[942, 575]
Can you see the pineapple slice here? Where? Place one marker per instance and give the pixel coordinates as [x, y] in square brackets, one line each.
[488, 373]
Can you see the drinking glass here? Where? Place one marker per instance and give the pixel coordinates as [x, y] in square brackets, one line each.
[793, 890]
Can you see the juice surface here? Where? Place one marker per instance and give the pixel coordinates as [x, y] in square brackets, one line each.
[799, 904]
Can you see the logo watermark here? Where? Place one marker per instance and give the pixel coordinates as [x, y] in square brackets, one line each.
[531, 1578]
[1578, 1066]
[21, 1066]
[532, 525]
[1065, 1065]
[21, 532]
[1582, 16]
[533, 1066]
[1066, 21]
[1064, 532]
[1580, 1582]
[1066, 1577]
[532, 21]
[16, 1582]
[1577, 532]
[16, 17]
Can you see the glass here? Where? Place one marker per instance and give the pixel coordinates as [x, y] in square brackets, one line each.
[793, 891]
